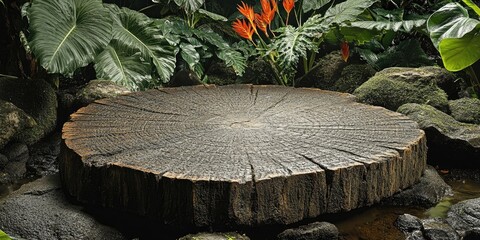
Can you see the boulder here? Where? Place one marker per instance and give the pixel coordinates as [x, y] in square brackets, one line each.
[324, 77]
[447, 81]
[408, 223]
[43, 156]
[472, 234]
[393, 87]
[312, 231]
[465, 110]
[15, 151]
[438, 229]
[40, 210]
[426, 193]
[215, 236]
[352, 77]
[12, 121]
[220, 74]
[450, 143]
[38, 99]
[3, 161]
[258, 72]
[465, 215]
[98, 89]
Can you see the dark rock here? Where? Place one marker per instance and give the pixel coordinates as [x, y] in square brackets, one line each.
[12, 121]
[43, 156]
[39, 210]
[15, 151]
[393, 87]
[447, 81]
[38, 99]
[220, 74]
[472, 234]
[215, 236]
[408, 223]
[13, 171]
[324, 77]
[415, 235]
[66, 106]
[466, 110]
[465, 215]
[438, 229]
[312, 231]
[98, 89]
[353, 76]
[184, 77]
[258, 72]
[3, 161]
[450, 143]
[426, 193]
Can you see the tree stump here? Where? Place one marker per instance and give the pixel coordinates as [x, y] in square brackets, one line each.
[238, 155]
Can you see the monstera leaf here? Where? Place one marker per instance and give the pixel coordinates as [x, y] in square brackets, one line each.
[121, 65]
[190, 6]
[136, 31]
[68, 34]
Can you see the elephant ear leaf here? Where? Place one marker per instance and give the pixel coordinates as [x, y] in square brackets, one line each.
[138, 32]
[68, 34]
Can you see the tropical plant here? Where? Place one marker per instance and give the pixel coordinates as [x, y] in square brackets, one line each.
[4, 236]
[295, 41]
[125, 46]
[456, 35]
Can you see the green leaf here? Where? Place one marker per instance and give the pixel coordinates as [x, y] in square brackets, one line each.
[137, 31]
[189, 54]
[190, 6]
[359, 35]
[450, 21]
[473, 6]
[404, 26]
[347, 11]
[119, 64]
[309, 5]
[211, 15]
[459, 53]
[4, 236]
[68, 34]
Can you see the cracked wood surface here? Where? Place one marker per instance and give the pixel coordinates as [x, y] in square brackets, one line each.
[238, 155]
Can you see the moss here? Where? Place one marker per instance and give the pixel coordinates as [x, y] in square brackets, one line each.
[325, 76]
[38, 99]
[394, 87]
[353, 76]
[466, 110]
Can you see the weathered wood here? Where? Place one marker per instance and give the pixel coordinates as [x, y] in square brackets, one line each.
[241, 154]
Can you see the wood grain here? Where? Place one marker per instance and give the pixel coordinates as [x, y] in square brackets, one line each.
[238, 155]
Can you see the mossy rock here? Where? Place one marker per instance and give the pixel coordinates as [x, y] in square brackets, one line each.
[98, 89]
[258, 72]
[450, 143]
[393, 87]
[466, 110]
[12, 120]
[324, 77]
[215, 236]
[38, 99]
[220, 74]
[353, 76]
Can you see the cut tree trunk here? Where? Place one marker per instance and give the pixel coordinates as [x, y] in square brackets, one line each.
[238, 155]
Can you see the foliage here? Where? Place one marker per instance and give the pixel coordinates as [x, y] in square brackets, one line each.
[4, 236]
[456, 35]
[285, 46]
[125, 46]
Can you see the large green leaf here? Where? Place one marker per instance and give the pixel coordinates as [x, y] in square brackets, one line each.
[450, 21]
[347, 11]
[120, 64]
[137, 31]
[190, 6]
[68, 34]
[459, 53]
[473, 6]
[309, 5]
[4, 236]
[405, 25]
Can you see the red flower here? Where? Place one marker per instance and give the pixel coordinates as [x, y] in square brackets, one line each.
[247, 11]
[288, 5]
[268, 10]
[261, 23]
[244, 29]
[345, 51]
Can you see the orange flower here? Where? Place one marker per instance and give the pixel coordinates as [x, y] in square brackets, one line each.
[247, 11]
[268, 10]
[345, 51]
[288, 5]
[261, 23]
[244, 29]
